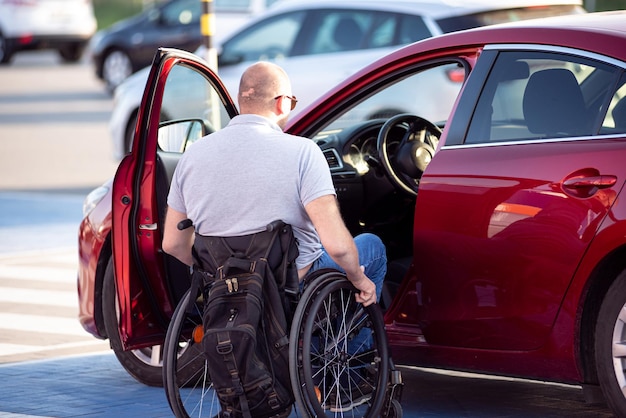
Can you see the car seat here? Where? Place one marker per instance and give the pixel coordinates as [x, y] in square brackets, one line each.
[553, 104]
[347, 34]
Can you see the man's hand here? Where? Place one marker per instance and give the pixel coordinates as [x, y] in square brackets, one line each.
[367, 289]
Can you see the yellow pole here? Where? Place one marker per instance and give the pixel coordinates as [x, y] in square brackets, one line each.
[207, 23]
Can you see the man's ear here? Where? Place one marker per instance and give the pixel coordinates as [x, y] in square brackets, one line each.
[280, 106]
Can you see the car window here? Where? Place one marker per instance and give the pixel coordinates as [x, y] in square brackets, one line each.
[340, 30]
[190, 110]
[536, 95]
[412, 29]
[429, 93]
[348, 30]
[615, 120]
[269, 39]
[181, 13]
[320, 32]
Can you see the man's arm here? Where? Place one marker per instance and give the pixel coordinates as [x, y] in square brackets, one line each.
[176, 242]
[339, 244]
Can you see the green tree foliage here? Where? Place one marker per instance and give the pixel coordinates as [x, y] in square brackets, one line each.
[110, 11]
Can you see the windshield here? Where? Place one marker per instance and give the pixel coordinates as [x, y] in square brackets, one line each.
[429, 93]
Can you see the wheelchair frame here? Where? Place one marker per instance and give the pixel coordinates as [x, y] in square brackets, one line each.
[339, 361]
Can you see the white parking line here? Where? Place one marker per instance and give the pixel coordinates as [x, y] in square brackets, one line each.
[7, 349]
[45, 274]
[38, 294]
[41, 324]
[38, 297]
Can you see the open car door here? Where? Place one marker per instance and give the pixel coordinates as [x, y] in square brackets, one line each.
[183, 101]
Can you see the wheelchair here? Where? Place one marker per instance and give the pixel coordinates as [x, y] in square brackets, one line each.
[339, 360]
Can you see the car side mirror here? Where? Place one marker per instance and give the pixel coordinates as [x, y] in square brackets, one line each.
[178, 135]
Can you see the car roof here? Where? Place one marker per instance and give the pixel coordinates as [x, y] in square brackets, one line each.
[435, 9]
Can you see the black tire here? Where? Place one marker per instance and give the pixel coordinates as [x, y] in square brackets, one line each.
[144, 364]
[184, 366]
[72, 52]
[321, 364]
[609, 342]
[6, 50]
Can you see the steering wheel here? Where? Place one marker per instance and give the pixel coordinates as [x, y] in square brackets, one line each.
[405, 162]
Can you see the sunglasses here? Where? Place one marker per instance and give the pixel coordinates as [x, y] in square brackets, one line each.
[293, 99]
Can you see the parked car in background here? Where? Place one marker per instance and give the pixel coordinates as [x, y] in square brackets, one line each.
[321, 42]
[129, 45]
[505, 233]
[63, 25]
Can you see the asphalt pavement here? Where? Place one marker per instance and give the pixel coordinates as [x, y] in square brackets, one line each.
[97, 386]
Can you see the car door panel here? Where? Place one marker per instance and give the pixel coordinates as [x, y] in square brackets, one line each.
[503, 218]
[141, 269]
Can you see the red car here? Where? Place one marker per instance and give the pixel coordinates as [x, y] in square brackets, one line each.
[506, 233]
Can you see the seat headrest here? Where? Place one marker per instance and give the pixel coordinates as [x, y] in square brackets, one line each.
[347, 34]
[553, 104]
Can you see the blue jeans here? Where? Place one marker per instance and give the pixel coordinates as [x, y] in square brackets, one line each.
[373, 256]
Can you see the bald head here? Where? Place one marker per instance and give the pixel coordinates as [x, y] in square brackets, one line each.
[259, 85]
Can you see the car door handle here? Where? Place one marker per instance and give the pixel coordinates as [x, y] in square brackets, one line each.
[584, 187]
[601, 182]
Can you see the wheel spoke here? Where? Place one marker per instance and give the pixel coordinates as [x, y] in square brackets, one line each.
[619, 350]
[155, 356]
[622, 317]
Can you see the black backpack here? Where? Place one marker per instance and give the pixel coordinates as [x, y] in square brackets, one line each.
[249, 285]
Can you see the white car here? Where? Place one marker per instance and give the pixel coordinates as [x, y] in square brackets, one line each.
[64, 25]
[321, 42]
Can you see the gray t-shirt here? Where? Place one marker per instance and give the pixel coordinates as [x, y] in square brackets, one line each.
[237, 180]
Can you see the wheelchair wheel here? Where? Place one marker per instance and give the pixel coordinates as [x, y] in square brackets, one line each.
[185, 375]
[338, 359]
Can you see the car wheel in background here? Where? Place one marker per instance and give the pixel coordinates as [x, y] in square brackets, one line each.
[71, 52]
[6, 52]
[144, 364]
[610, 345]
[116, 67]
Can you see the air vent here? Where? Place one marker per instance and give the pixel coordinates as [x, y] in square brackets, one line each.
[333, 160]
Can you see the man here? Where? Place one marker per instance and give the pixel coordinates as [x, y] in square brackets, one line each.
[237, 180]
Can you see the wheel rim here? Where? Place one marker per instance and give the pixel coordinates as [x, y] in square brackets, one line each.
[618, 349]
[335, 358]
[116, 68]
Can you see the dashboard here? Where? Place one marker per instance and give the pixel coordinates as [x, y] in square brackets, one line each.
[369, 201]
